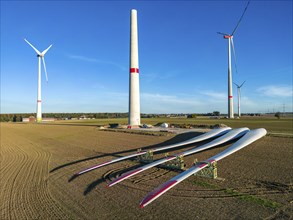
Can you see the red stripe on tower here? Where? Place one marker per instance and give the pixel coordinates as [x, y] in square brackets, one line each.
[134, 70]
[39, 100]
[230, 97]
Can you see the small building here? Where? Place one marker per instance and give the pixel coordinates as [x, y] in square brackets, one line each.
[83, 117]
[48, 119]
[29, 119]
[33, 119]
[25, 119]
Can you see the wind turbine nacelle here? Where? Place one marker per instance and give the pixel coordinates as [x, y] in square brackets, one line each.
[40, 55]
[227, 36]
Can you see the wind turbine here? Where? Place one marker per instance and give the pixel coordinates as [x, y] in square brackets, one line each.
[231, 43]
[239, 96]
[39, 99]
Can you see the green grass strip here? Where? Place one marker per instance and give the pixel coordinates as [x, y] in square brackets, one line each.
[251, 198]
[204, 184]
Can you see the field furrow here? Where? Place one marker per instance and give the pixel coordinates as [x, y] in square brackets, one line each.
[24, 187]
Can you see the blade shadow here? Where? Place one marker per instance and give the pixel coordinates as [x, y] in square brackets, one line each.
[178, 138]
[115, 174]
[109, 176]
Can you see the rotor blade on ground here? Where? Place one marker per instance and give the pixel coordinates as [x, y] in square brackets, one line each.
[231, 135]
[240, 18]
[35, 49]
[45, 51]
[210, 134]
[247, 139]
[43, 59]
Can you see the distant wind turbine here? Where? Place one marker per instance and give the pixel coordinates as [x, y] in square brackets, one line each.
[231, 43]
[39, 99]
[239, 97]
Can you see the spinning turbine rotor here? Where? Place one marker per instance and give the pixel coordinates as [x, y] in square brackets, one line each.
[40, 57]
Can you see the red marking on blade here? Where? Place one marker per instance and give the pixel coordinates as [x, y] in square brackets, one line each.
[171, 157]
[134, 70]
[230, 97]
[157, 192]
[131, 173]
[202, 165]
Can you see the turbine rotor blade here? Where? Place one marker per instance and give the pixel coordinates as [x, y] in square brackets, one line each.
[234, 54]
[43, 59]
[236, 84]
[35, 49]
[243, 83]
[221, 33]
[240, 18]
[45, 51]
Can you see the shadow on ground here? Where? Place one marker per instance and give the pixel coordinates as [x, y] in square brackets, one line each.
[178, 138]
[113, 174]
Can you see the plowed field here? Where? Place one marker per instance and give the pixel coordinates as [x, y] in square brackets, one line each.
[38, 160]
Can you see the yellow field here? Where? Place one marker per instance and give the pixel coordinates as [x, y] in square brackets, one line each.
[38, 160]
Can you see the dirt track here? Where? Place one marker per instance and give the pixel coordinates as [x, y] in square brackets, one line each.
[38, 160]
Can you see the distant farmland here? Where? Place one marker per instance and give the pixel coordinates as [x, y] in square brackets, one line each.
[272, 124]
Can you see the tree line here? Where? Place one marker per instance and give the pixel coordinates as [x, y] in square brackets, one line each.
[60, 116]
[67, 116]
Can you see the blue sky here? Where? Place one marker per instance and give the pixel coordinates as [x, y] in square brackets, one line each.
[183, 61]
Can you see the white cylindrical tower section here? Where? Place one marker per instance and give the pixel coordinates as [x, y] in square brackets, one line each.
[230, 92]
[239, 97]
[134, 98]
[39, 98]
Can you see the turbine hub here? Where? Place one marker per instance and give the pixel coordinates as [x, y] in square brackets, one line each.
[228, 36]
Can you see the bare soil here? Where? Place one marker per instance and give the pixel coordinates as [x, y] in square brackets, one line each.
[38, 160]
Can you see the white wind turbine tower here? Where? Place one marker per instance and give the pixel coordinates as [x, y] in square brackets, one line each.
[231, 43]
[39, 99]
[239, 97]
[134, 99]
